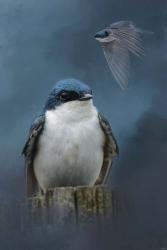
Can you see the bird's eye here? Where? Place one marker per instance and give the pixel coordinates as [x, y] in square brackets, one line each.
[64, 96]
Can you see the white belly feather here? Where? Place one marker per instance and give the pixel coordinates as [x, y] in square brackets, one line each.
[70, 147]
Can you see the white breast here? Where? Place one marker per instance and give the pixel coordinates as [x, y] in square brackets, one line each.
[70, 147]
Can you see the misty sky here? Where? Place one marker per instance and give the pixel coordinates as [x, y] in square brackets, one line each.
[42, 42]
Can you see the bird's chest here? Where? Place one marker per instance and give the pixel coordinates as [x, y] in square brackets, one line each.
[70, 151]
[69, 140]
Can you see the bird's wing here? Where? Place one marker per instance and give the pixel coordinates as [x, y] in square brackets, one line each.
[125, 38]
[129, 36]
[29, 152]
[110, 150]
[118, 61]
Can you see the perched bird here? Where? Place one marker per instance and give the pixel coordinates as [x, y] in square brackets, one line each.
[70, 143]
[118, 40]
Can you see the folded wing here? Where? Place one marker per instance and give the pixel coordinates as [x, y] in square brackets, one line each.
[29, 152]
[110, 150]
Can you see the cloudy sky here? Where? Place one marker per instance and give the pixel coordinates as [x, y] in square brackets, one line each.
[42, 42]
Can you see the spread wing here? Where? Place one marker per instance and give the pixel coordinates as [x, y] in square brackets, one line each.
[29, 152]
[110, 150]
[124, 39]
[118, 61]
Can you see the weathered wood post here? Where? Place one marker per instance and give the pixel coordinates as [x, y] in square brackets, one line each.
[69, 206]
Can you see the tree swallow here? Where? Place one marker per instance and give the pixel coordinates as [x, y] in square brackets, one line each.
[70, 143]
[118, 40]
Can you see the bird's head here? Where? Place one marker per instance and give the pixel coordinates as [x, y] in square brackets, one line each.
[104, 36]
[68, 90]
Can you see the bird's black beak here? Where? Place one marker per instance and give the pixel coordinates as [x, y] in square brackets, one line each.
[86, 97]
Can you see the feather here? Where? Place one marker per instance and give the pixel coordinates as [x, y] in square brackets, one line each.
[118, 61]
[29, 152]
[110, 150]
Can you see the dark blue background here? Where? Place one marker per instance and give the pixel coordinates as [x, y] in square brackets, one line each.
[42, 42]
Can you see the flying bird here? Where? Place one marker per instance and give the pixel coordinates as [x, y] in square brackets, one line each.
[118, 41]
[69, 143]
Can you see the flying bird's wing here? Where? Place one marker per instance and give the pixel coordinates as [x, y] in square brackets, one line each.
[29, 151]
[118, 41]
[118, 61]
[110, 150]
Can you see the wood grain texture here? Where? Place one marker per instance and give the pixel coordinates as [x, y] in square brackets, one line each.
[69, 206]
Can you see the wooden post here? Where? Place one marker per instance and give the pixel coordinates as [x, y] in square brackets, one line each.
[68, 206]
